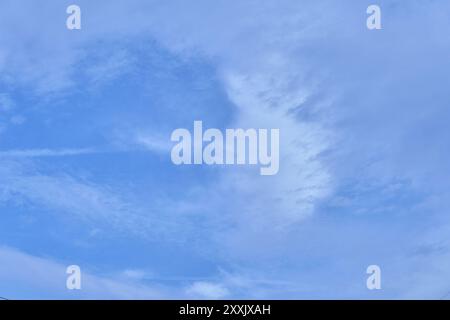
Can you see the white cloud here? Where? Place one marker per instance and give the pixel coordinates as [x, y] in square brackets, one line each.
[99, 206]
[134, 274]
[154, 143]
[207, 290]
[93, 204]
[24, 276]
[108, 66]
[32, 153]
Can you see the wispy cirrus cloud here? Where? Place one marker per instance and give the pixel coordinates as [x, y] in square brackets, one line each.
[34, 153]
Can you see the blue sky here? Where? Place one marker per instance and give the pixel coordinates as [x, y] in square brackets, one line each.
[85, 170]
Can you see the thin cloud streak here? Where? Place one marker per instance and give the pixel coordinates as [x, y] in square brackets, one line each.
[34, 153]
